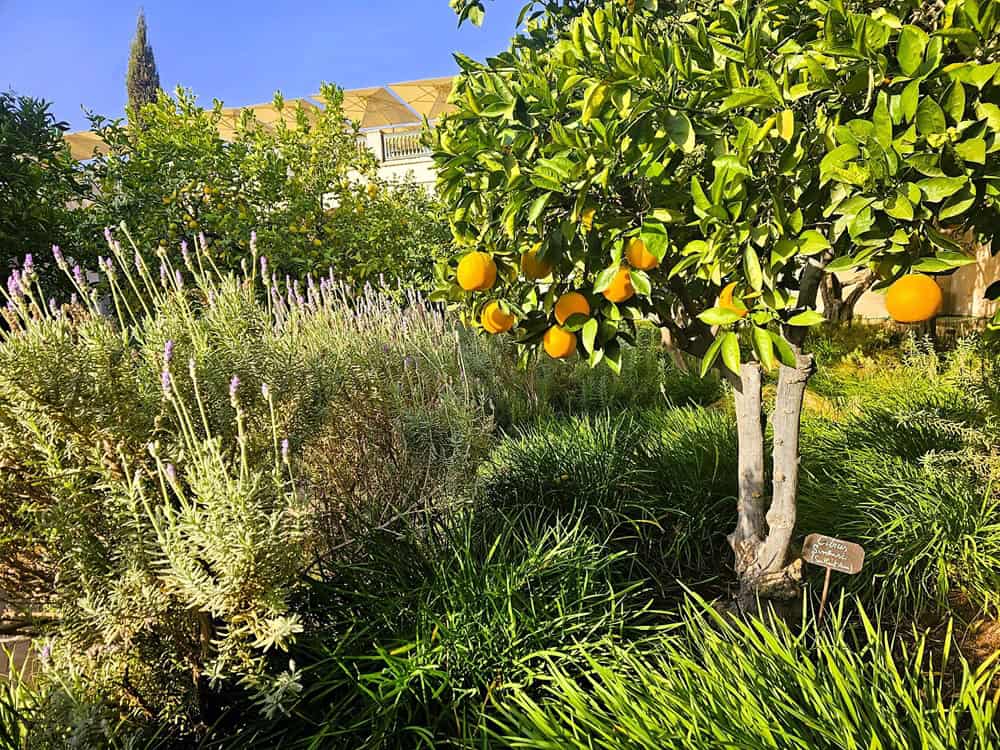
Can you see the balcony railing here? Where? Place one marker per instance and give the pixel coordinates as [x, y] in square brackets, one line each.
[406, 145]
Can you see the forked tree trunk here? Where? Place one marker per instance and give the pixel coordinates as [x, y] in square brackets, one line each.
[762, 542]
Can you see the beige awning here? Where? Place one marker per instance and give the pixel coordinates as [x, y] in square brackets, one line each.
[428, 97]
[85, 144]
[267, 115]
[375, 108]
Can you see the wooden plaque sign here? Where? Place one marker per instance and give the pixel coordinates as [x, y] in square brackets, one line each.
[833, 554]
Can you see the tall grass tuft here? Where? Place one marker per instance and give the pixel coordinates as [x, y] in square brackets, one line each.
[720, 682]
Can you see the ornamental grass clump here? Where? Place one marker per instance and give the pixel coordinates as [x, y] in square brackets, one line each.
[723, 682]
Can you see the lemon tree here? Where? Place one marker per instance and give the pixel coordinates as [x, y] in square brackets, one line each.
[702, 165]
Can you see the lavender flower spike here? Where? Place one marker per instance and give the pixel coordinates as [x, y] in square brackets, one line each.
[107, 236]
[253, 242]
[171, 473]
[78, 275]
[265, 391]
[284, 450]
[29, 263]
[168, 351]
[234, 386]
[57, 254]
[165, 381]
[185, 253]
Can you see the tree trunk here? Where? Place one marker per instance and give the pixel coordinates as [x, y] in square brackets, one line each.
[750, 528]
[762, 543]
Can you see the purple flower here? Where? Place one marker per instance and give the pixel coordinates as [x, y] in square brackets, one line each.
[179, 279]
[407, 362]
[29, 263]
[165, 380]
[163, 273]
[284, 450]
[185, 254]
[46, 653]
[202, 240]
[107, 235]
[253, 242]
[234, 386]
[57, 254]
[265, 391]
[14, 284]
[263, 266]
[138, 261]
[168, 352]
[171, 473]
[78, 275]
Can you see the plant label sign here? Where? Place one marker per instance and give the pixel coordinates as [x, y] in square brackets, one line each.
[833, 554]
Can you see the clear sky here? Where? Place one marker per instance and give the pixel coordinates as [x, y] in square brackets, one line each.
[75, 52]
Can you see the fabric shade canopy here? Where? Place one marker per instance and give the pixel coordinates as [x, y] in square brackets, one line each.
[429, 98]
[82, 145]
[267, 115]
[375, 108]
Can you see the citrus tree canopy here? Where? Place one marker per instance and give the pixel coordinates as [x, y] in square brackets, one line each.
[702, 165]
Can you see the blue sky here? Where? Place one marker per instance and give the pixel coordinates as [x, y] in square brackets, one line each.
[75, 52]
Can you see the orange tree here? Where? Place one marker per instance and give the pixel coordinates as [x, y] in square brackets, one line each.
[702, 165]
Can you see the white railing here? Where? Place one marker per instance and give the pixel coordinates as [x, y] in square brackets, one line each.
[405, 145]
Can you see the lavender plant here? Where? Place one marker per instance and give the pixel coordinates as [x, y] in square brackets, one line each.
[161, 437]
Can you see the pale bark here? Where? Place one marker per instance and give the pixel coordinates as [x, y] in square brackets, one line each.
[786, 420]
[750, 527]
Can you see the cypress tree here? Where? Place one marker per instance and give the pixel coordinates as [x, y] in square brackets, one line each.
[143, 81]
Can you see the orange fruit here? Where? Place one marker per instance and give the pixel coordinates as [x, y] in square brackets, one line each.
[569, 304]
[495, 320]
[621, 288]
[587, 218]
[638, 256]
[726, 301]
[913, 298]
[477, 272]
[532, 267]
[559, 343]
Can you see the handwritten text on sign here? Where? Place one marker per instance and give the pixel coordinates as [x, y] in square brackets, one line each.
[828, 552]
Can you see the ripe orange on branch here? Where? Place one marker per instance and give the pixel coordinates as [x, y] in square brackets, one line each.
[559, 343]
[638, 256]
[727, 302]
[913, 298]
[477, 272]
[532, 266]
[569, 304]
[621, 288]
[495, 320]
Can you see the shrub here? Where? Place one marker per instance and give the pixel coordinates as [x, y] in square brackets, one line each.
[37, 179]
[302, 185]
[733, 683]
[162, 458]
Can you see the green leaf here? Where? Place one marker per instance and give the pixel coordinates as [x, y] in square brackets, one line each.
[680, 131]
[718, 316]
[752, 269]
[589, 334]
[654, 236]
[936, 189]
[593, 100]
[763, 346]
[930, 117]
[954, 103]
[910, 52]
[731, 352]
[813, 242]
[604, 278]
[640, 280]
[806, 318]
[909, 99]
[973, 150]
[786, 355]
[537, 206]
[899, 207]
[711, 355]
